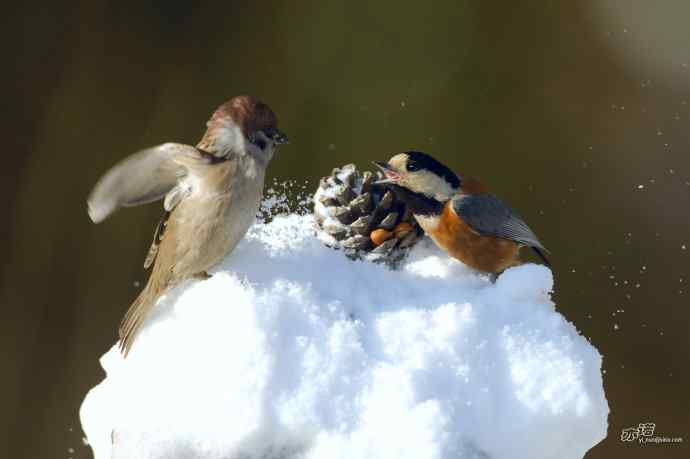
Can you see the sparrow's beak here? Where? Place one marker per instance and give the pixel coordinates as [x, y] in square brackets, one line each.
[390, 175]
[276, 136]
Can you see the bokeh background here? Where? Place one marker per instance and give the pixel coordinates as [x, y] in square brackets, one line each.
[575, 112]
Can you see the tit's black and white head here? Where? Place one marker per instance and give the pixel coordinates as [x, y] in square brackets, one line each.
[421, 174]
[243, 125]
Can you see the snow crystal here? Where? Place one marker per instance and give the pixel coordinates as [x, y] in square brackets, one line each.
[292, 350]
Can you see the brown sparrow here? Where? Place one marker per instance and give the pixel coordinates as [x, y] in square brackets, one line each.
[211, 196]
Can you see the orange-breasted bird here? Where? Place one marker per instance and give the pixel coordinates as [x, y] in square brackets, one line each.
[459, 214]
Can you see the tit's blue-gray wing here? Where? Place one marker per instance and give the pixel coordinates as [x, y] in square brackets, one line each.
[489, 216]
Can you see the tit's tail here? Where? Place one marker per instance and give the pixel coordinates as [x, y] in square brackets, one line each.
[540, 254]
[136, 316]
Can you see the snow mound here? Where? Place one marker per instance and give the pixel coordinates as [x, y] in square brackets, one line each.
[291, 350]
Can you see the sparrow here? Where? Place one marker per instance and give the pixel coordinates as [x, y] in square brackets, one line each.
[211, 194]
[459, 214]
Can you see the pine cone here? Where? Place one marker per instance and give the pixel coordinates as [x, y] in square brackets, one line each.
[364, 220]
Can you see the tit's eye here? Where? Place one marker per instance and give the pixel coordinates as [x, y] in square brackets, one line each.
[412, 166]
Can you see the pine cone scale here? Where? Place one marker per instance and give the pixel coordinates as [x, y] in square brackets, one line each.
[363, 219]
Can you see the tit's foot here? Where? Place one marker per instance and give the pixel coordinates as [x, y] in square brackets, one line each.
[203, 275]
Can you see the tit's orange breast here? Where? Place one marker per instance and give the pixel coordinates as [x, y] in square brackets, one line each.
[484, 253]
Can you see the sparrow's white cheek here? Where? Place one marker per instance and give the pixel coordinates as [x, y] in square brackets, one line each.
[231, 138]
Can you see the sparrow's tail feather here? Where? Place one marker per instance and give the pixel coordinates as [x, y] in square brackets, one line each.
[135, 316]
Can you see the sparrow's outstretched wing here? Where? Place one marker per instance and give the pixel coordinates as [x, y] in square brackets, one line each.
[489, 216]
[141, 178]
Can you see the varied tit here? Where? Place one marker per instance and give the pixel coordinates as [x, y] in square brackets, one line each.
[461, 217]
[211, 194]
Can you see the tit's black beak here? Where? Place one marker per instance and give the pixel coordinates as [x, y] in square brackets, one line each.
[276, 136]
[391, 176]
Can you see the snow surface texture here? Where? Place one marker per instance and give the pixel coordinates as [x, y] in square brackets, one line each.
[291, 350]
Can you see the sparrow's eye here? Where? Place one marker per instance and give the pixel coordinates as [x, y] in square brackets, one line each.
[275, 135]
[412, 166]
[258, 140]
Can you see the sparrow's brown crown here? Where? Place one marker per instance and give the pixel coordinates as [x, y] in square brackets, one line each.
[248, 112]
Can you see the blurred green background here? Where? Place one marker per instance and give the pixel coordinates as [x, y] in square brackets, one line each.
[575, 112]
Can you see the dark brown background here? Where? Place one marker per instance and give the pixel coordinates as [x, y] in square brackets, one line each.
[564, 108]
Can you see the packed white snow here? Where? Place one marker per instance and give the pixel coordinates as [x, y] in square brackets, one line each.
[292, 350]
